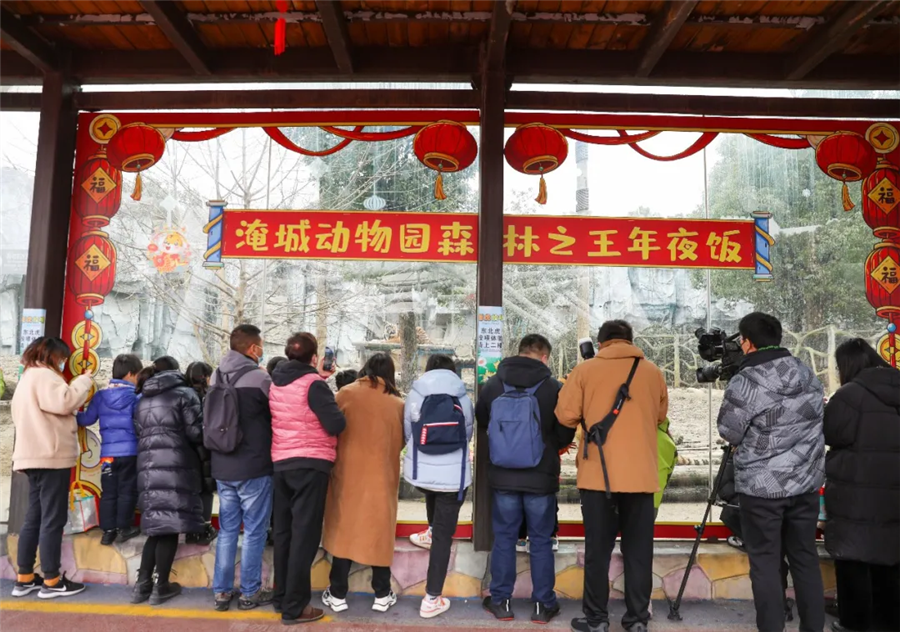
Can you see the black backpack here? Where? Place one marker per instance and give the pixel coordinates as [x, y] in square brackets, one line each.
[221, 413]
[600, 431]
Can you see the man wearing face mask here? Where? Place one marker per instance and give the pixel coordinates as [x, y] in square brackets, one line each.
[523, 489]
[244, 476]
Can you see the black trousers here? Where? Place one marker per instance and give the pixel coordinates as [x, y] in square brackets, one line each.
[207, 499]
[340, 579]
[48, 511]
[772, 528]
[868, 595]
[604, 518]
[159, 554]
[118, 480]
[299, 511]
[443, 516]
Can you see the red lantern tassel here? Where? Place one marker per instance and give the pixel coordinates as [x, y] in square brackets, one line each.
[281, 28]
[138, 189]
[439, 187]
[845, 197]
[542, 192]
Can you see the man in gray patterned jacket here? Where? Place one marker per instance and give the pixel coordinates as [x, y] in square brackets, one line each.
[772, 414]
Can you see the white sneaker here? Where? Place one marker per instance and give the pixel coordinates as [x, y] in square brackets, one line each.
[337, 605]
[522, 546]
[383, 604]
[554, 542]
[433, 606]
[422, 540]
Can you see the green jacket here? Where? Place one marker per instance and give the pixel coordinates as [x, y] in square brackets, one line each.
[667, 454]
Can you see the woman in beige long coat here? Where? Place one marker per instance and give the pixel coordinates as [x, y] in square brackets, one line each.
[361, 510]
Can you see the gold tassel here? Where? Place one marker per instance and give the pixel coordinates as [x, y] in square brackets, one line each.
[542, 192]
[845, 197]
[439, 188]
[138, 188]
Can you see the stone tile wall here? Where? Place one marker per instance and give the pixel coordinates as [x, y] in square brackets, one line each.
[720, 572]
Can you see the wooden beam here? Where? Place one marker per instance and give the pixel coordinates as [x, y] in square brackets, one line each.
[179, 31]
[831, 37]
[498, 33]
[26, 42]
[661, 34]
[336, 32]
[460, 64]
[20, 101]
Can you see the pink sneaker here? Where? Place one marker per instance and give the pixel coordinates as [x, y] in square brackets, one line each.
[422, 540]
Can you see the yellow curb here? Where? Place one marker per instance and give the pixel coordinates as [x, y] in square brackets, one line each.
[53, 606]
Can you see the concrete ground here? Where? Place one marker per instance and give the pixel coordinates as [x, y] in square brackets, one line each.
[106, 609]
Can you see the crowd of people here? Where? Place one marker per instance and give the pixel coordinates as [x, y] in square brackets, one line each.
[292, 460]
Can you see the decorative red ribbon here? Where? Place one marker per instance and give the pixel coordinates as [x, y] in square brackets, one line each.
[196, 137]
[372, 137]
[608, 140]
[705, 139]
[781, 143]
[281, 27]
[278, 136]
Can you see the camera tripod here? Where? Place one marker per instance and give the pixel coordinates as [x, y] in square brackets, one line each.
[675, 606]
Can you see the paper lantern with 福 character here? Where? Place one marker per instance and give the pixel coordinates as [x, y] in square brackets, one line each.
[848, 157]
[536, 149]
[881, 200]
[135, 148]
[98, 190]
[92, 268]
[446, 147]
[883, 280]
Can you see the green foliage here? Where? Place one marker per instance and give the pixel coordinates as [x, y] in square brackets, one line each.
[818, 260]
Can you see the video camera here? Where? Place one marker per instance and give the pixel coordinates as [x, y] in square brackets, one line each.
[718, 347]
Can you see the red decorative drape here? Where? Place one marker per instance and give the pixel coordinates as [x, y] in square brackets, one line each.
[625, 139]
[705, 139]
[206, 134]
[781, 142]
[278, 136]
[372, 137]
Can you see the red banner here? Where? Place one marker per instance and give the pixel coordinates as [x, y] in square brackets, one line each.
[453, 238]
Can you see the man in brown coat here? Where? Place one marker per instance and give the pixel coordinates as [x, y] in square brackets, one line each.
[630, 453]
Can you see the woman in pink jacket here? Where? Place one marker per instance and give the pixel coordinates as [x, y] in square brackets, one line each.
[305, 424]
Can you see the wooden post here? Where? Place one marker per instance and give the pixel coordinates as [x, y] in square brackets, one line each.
[48, 241]
[490, 263]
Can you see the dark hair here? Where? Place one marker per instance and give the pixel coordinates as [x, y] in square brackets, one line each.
[535, 343]
[145, 374]
[125, 364]
[440, 361]
[45, 351]
[198, 374]
[763, 330]
[615, 330]
[855, 355]
[272, 364]
[345, 377]
[381, 365]
[301, 347]
[166, 363]
[245, 336]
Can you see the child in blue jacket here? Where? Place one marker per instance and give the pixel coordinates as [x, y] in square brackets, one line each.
[114, 407]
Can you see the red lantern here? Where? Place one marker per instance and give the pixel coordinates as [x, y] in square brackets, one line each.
[92, 270]
[98, 190]
[883, 280]
[445, 146]
[848, 157]
[134, 148]
[536, 149]
[881, 200]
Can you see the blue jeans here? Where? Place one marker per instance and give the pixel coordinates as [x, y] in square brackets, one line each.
[540, 516]
[249, 502]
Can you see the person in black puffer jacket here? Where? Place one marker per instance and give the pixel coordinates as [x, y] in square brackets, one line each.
[862, 492]
[198, 375]
[168, 422]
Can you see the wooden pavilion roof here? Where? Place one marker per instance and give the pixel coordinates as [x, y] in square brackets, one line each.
[821, 43]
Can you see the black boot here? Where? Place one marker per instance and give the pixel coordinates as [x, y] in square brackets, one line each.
[142, 590]
[163, 591]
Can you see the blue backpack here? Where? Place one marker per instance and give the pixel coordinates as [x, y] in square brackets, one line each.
[514, 431]
[441, 429]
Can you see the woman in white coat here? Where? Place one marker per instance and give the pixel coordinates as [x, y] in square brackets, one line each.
[443, 474]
